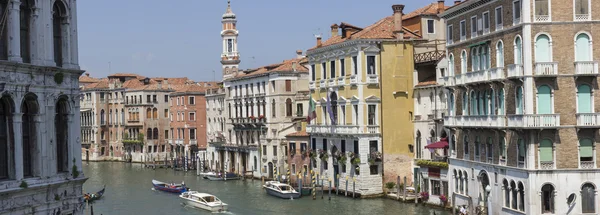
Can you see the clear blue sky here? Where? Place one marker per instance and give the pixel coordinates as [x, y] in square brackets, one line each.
[176, 38]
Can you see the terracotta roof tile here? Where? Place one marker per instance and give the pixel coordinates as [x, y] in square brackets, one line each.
[292, 65]
[298, 134]
[101, 84]
[430, 9]
[426, 83]
[87, 79]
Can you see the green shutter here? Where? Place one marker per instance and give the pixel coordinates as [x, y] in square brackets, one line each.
[521, 148]
[546, 150]
[585, 148]
[502, 147]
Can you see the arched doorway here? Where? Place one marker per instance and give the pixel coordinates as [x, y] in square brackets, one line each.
[270, 170]
[484, 186]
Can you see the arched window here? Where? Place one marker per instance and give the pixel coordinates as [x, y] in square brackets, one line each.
[288, 107]
[491, 102]
[477, 148]
[110, 117]
[514, 193]
[155, 113]
[502, 150]
[334, 108]
[501, 101]
[149, 113]
[4, 33]
[451, 65]
[466, 147]
[548, 198]
[485, 57]
[255, 163]
[519, 101]
[584, 99]
[229, 107]
[489, 151]
[583, 48]
[521, 151]
[62, 135]
[473, 110]
[25, 22]
[506, 189]
[59, 15]
[456, 179]
[546, 154]
[500, 54]
[586, 153]
[474, 59]
[543, 51]
[521, 197]
[544, 100]
[149, 134]
[274, 111]
[588, 198]
[461, 181]
[29, 108]
[518, 51]
[453, 144]
[155, 133]
[465, 104]
[122, 116]
[7, 154]
[102, 117]
[466, 179]
[451, 103]
[483, 103]
[463, 62]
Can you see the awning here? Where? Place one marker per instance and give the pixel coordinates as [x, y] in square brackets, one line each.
[443, 143]
[479, 43]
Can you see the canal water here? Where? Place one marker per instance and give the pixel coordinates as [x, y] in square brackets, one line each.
[129, 192]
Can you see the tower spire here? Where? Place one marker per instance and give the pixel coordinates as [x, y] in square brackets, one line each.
[230, 58]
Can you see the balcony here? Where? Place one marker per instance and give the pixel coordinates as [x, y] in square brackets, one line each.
[546, 164]
[372, 79]
[373, 129]
[353, 80]
[586, 165]
[322, 84]
[341, 81]
[476, 76]
[534, 121]
[582, 17]
[542, 18]
[312, 85]
[515, 71]
[331, 82]
[496, 73]
[447, 81]
[546, 69]
[588, 119]
[459, 79]
[342, 129]
[586, 68]
[493, 121]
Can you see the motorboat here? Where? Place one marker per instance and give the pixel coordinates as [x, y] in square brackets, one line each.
[281, 190]
[223, 177]
[206, 174]
[203, 201]
[169, 187]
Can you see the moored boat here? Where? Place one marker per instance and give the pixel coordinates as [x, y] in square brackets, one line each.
[90, 197]
[221, 177]
[203, 201]
[169, 187]
[206, 174]
[281, 190]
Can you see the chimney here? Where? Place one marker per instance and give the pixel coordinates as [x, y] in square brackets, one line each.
[319, 43]
[456, 2]
[441, 7]
[398, 20]
[299, 54]
[87, 74]
[334, 30]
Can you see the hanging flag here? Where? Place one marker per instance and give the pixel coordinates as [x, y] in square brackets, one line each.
[312, 112]
[330, 110]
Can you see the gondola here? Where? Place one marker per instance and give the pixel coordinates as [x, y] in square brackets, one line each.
[169, 187]
[90, 197]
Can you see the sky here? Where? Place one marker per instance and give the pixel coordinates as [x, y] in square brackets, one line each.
[181, 38]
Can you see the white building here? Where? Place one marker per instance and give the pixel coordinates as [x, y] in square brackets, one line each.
[40, 162]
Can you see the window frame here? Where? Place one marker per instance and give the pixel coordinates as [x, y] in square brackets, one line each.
[463, 30]
[549, 15]
[499, 26]
[191, 100]
[474, 28]
[449, 34]
[589, 15]
[432, 26]
[489, 25]
[517, 20]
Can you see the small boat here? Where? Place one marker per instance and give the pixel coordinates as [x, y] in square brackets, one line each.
[203, 201]
[90, 197]
[206, 174]
[226, 177]
[281, 190]
[169, 187]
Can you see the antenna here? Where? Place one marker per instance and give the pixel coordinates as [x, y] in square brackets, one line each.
[109, 69]
[214, 75]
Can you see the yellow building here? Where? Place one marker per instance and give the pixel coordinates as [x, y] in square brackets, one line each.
[361, 83]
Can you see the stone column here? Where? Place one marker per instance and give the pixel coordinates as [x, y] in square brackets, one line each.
[17, 128]
[76, 138]
[42, 153]
[14, 31]
[66, 45]
[74, 53]
[34, 40]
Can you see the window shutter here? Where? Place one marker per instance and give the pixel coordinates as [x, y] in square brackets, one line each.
[585, 148]
[546, 150]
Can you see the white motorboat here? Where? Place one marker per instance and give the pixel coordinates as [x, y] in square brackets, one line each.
[205, 175]
[281, 190]
[203, 201]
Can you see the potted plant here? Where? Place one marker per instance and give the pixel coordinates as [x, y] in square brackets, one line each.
[323, 155]
[389, 186]
[374, 156]
[342, 159]
[355, 159]
[424, 196]
[444, 200]
[357, 170]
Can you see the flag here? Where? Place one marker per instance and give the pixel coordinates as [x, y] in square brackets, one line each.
[312, 112]
[330, 110]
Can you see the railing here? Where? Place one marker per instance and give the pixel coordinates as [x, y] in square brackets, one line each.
[586, 68]
[542, 18]
[373, 129]
[341, 81]
[546, 164]
[496, 73]
[534, 121]
[582, 17]
[459, 79]
[353, 79]
[312, 85]
[475, 121]
[322, 84]
[546, 68]
[448, 81]
[515, 70]
[502, 161]
[476, 76]
[521, 164]
[586, 164]
[588, 119]
[342, 129]
[372, 79]
[331, 82]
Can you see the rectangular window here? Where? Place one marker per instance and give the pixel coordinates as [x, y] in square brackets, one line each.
[293, 169]
[541, 10]
[499, 16]
[288, 85]
[312, 72]
[272, 86]
[435, 188]
[582, 10]
[192, 100]
[166, 134]
[356, 151]
[355, 118]
[154, 99]
[342, 68]
[473, 26]
[324, 70]
[292, 147]
[148, 98]
[274, 150]
[343, 115]
[450, 33]
[299, 110]
[192, 133]
[166, 113]
[371, 65]
[431, 26]
[314, 144]
[332, 71]
[355, 64]
[192, 116]
[302, 147]
[166, 98]
[486, 22]
[371, 115]
[324, 144]
[264, 150]
[463, 30]
[516, 12]
[374, 169]
[373, 146]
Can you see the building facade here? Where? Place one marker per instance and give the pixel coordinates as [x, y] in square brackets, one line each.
[216, 115]
[522, 115]
[39, 135]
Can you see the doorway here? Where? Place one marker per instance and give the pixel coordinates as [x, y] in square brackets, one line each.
[270, 170]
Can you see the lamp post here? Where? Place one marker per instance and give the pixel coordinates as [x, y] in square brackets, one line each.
[488, 190]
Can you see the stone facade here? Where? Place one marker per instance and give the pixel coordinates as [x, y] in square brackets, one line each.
[188, 126]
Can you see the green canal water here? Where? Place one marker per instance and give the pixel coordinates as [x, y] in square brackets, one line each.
[129, 192]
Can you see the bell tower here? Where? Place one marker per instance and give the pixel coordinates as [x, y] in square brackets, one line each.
[230, 58]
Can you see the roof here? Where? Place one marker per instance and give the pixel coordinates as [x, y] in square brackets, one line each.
[87, 79]
[426, 83]
[298, 134]
[99, 85]
[431, 9]
[290, 66]
[126, 75]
